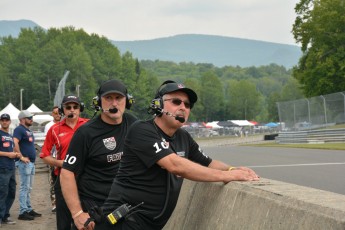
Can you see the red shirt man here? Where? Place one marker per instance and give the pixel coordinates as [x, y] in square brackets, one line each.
[60, 135]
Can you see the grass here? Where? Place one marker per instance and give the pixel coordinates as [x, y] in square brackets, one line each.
[339, 126]
[329, 146]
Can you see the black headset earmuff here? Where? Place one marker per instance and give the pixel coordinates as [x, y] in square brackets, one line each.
[61, 110]
[157, 105]
[129, 101]
[82, 106]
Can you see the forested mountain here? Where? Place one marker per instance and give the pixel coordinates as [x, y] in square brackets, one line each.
[37, 59]
[218, 50]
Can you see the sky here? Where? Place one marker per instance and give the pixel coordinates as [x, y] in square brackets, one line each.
[129, 20]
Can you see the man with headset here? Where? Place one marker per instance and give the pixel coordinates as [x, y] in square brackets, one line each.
[94, 154]
[158, 154]
[59, 136]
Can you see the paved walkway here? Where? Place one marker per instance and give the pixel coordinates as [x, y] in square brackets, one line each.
[40, 201]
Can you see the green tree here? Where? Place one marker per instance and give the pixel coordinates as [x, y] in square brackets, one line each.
[37, 60]
[272, 100]
[198, 109]
[244, 100]
[319, 28]
[211, 96]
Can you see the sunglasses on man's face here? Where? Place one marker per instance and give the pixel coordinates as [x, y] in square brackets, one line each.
[29, 118]
[177, 101]
[69, 107]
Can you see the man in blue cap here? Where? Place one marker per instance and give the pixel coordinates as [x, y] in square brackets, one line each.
[7, 170]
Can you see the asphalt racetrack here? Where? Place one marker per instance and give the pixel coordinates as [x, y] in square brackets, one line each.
[320, 169]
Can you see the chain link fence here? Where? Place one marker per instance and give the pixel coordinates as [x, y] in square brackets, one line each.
[312, 113]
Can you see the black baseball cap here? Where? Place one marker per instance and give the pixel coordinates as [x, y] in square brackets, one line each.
[71, 98]
[171, 86]
[5, 116]
[112, 86]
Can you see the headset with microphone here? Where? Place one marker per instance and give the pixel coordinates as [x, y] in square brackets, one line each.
[157, 105]
[72, 99]
[97, 102]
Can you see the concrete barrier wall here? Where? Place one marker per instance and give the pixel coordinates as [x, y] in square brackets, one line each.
[265, 204]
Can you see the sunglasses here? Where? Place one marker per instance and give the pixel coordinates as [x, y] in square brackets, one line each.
[29, 118]
[69, 107]
[177, 101]
[55, 113]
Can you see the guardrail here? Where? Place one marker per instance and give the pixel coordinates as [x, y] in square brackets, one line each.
[264, 204]
[312, 136]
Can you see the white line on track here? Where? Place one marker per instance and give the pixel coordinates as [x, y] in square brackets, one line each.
[296, 165]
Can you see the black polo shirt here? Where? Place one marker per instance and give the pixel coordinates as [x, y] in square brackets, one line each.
[140, 179]
[94, 155]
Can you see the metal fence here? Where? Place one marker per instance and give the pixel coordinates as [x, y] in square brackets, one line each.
[311, 113]
[312, 136]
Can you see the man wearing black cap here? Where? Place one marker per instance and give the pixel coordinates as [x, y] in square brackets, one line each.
[7, 170]
[158, 154]
[59, 136]
[95, 151]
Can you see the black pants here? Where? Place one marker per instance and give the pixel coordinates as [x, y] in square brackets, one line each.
[63, 215]
[130, 224]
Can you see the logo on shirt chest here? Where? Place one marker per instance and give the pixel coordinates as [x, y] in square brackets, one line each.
[110, 143]
[6, 138]
[62, 134]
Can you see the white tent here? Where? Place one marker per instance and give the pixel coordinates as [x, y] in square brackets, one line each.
[39, 118]
[13, 112]
[242, 122]
[213, 125]
[34, 109]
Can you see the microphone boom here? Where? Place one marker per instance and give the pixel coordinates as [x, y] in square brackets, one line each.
[178, 118]
[114, 110]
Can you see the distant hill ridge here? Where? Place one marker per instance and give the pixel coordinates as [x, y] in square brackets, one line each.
[217, 50]
[12, 28]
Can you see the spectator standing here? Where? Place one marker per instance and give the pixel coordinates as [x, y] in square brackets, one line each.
[7, 170]
[56, 118]
[59, 136]
[158, 154]
[52, 177]
[25, 145]
[95, 151]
